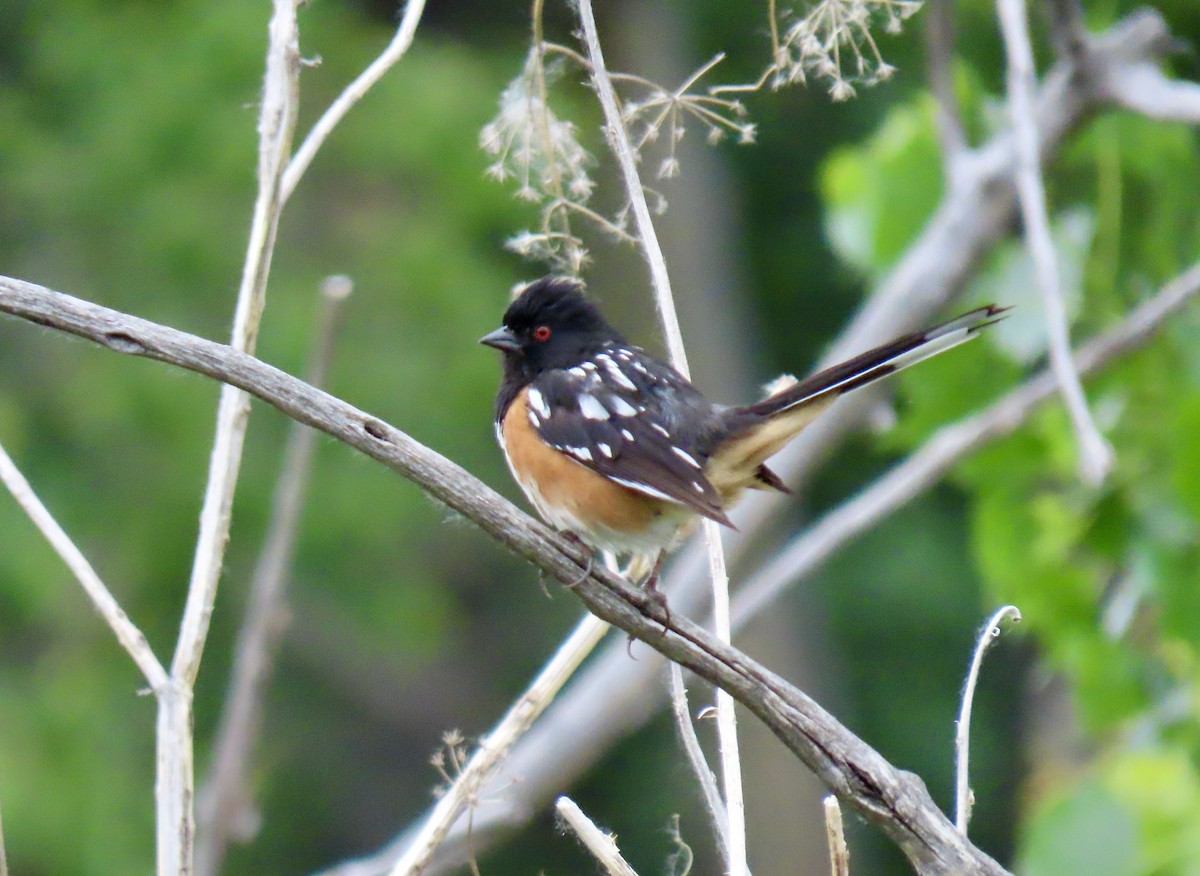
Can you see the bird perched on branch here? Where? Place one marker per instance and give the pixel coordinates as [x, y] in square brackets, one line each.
[619, 450]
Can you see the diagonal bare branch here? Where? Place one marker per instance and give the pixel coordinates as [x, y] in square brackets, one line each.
[128, 634]
[603, 846]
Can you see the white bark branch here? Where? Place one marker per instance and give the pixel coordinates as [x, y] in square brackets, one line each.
[602, 845]
[1095, 453]
[964, 799]
[618, 138]
[127, 632]
[493, 747]
[175, 769]
[3, 853]
[839, 853]
[1144, 89]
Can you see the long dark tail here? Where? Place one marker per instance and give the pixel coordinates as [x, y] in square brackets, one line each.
[757, 431]
[880, 362]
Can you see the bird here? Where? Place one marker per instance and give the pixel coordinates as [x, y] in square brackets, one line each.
[616, 449]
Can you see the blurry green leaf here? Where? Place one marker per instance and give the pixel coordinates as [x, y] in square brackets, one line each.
[1088, 831]
[878, 195]
[1162, 789]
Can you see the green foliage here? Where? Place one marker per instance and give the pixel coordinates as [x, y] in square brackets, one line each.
[879, 194]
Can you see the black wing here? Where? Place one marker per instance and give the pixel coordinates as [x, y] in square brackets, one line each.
[634, 420]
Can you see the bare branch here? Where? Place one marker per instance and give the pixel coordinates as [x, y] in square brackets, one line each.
[277, 120]
[964, 799]
[1095, 453]
[839, 854]
[354, 92]
[1069, 29]
[710, 793]
[225, 805]
[128, 634]
[618, 138]
[1144, 89]
[896, 801]
[602, 845]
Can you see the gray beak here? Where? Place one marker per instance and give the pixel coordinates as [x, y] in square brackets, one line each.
[501, 339]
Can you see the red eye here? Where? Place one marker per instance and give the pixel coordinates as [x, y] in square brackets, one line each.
[541, 333]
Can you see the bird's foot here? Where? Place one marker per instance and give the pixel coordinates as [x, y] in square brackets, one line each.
[591, 558]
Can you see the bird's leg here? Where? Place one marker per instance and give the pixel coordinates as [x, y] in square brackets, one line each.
[591, 558]
[650, 585]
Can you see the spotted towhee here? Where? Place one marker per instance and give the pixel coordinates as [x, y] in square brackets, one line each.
[620, 450]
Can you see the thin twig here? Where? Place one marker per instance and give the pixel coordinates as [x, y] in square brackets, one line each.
[127, 632]
[492, 748]
[926, 466]
[225, 805]
[354, 92]
[839, 853]
[600, 844]
[1095, 453]
[618, 139]
[174, 790]
[695, 755]
[964, 799]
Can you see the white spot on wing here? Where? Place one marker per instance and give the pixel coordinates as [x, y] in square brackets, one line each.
[660, 430]
[580, 452]
[620, 407]
[644, 488]
[591, 408]
[626, 434]
[615, 372]
[686, 457]
[605, 449]
[537, 402]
